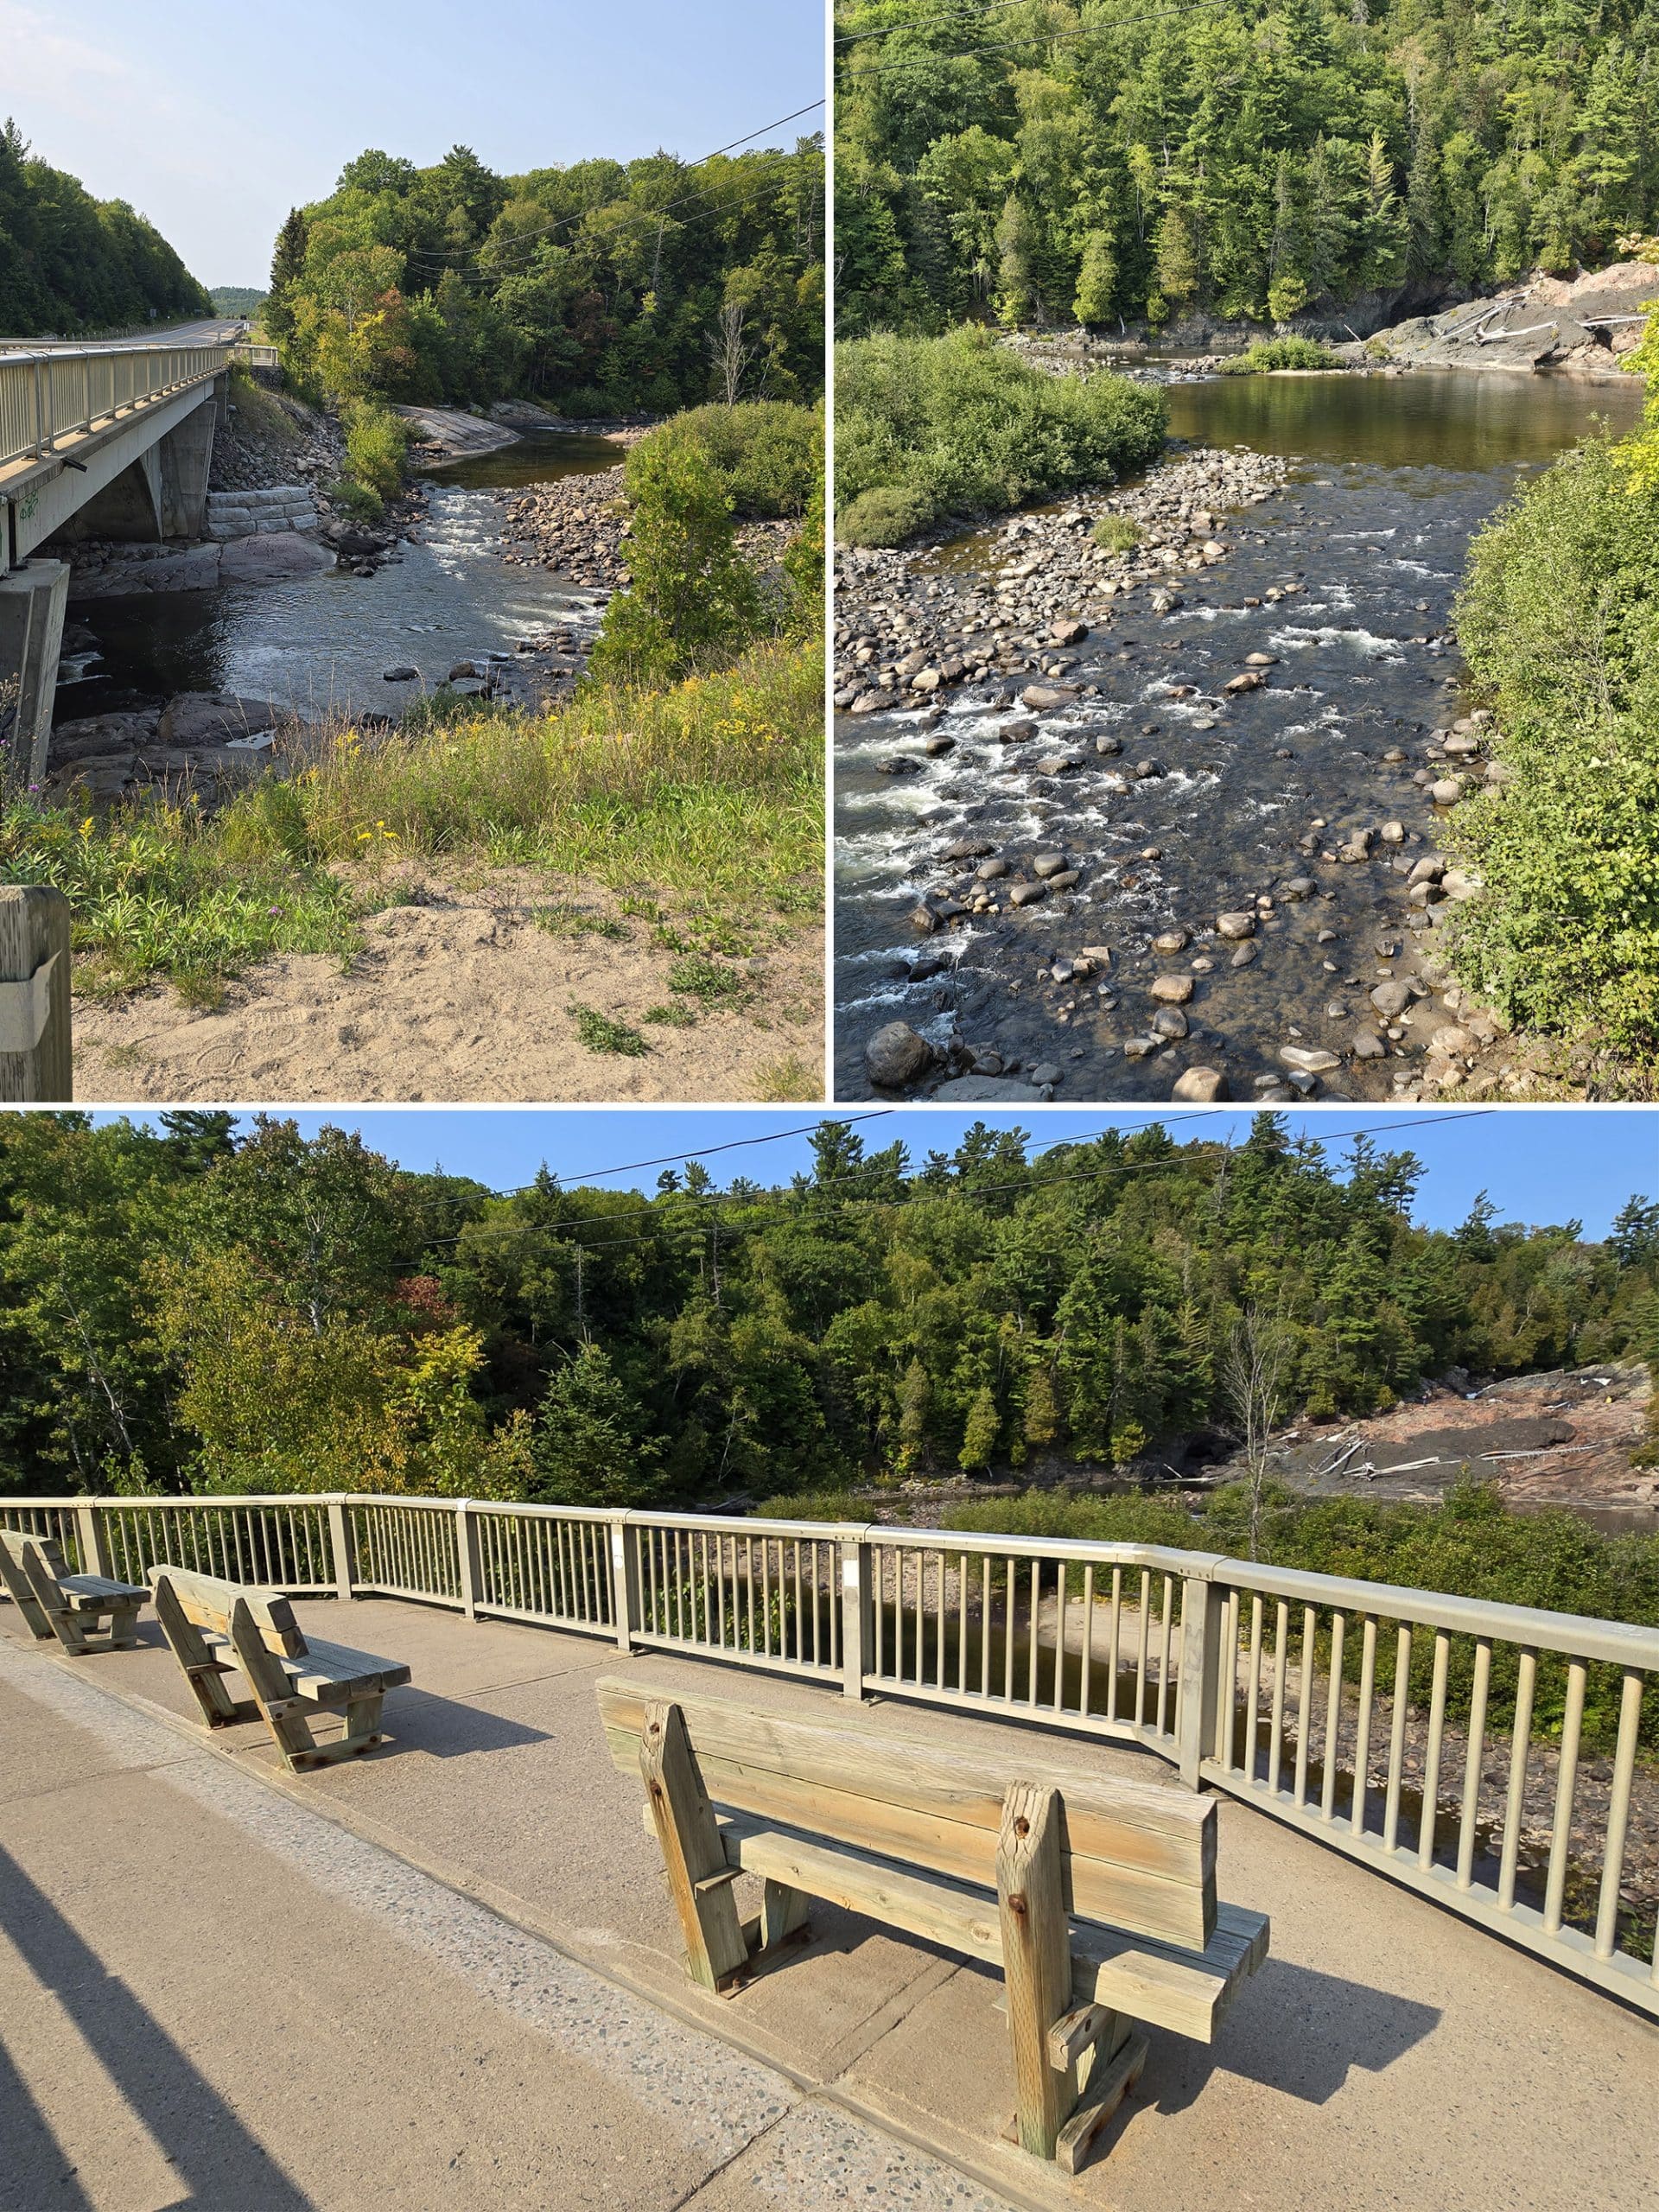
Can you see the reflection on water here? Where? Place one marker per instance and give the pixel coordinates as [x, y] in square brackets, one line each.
[321, 643]
[1396, 474]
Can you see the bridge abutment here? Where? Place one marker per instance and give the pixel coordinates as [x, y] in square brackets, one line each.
[32, 602]
[186, 455]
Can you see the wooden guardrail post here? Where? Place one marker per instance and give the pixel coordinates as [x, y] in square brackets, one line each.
[625, 1584]
[36, 1058]
[467, 1557]
[339, 1544]
[1202, 1607]
[856, 1622]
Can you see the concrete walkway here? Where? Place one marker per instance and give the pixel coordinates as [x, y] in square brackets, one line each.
[449, 1974]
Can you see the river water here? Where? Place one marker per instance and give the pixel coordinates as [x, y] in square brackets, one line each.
[1392, 477]
[320, 644]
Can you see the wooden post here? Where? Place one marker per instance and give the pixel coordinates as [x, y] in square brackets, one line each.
[340, 1544]
[1202, 1607]
[699, 1879]
[35, 1050]
[282, 1711]
[855, 1624]
[1031, 1886]
[205, 1673]
[466, 1555]
[625, 1584]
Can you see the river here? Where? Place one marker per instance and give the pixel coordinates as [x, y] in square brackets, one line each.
[1392, 476]
[320, 644]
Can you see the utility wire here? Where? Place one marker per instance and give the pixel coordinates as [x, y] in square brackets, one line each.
[468, 253]
[919, 22]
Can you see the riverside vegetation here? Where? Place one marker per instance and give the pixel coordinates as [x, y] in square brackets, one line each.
[1558, 621]
[1260, 158]
[689, 764]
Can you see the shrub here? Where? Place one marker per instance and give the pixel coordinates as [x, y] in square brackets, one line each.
[887, 516]
[1279, 354]
[376, 445]
[1117, 533]
[356, 500]
[960, 425]
[1559, 620]
[768, 453]
[693, 599]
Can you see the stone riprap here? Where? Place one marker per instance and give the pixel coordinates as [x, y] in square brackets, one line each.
[248, 514]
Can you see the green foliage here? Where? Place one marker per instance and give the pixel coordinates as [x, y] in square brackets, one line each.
[1291, 352]
[1117, 533]
[766, 453]
[1234, 159]
[959, 425]
[376, 445]
[693, 600]
[1559, 620]
[243, 300]
[71, 264]
[596, 287]
[599, 1033]
[592, 1445]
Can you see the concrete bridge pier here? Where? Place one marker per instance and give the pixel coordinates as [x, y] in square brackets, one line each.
[185, 458]
[32, 602]
[161, 492]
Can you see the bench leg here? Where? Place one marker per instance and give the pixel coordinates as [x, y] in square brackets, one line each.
[68, 1628]
[1037, 1959]
[783, 1913]
[205, 1673]
[699, 1878]
[284, 1713]
[123, 1626]
[1109, 2082]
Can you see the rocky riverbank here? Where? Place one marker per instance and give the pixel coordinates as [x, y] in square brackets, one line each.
[1302, 949]
[578, 527]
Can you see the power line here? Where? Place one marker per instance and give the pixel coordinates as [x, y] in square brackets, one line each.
[919, 22]
[564, 222]
[570, 1229]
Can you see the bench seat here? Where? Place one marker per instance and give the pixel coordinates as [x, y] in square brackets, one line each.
[326, 1673]
[52, 1602]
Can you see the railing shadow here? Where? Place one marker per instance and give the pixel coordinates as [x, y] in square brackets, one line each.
[216, 2157]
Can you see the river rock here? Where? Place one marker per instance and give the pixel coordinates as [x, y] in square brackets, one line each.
[1027, 894]
[1368, 1045]
[1058, 764]
[1047, 864]
[1245, 955]
[1169, 1021]
[1175, 940]
[271, 560]
[1172, 990]
[1241, 924]
[1391, 999]
[1047, 697]
[1068, 632]
[1298, 888]
[896, 1056]
[401, 674]
[988, 1091]
[1447, 792]
[1201, 1086]
[212, 717]
[1308, 1059]
[989, 871]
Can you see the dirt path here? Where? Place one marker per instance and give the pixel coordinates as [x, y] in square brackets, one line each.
[468, 996]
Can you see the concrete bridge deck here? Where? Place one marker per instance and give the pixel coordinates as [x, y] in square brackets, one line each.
[449, 1974]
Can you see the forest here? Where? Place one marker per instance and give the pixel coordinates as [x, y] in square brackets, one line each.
[596, 289]
[191, 1308]
[1069, 160]
[71, 264]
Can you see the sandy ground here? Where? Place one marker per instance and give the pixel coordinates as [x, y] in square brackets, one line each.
[463, 998]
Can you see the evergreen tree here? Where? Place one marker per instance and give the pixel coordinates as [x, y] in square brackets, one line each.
[980, 1432]
[591, 1444]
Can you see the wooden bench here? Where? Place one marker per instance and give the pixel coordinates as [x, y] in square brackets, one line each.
[1097, 1899]
[216, 1628]
[72, 1607]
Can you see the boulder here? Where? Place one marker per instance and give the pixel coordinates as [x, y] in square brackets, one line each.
[1172, 990]
[1241, 924]
[1201, 1086]
[896, 1056]
[1391, 999]
[213, 717]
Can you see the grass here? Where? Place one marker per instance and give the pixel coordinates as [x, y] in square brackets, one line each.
[671, 1017]
[701, 805]
[570, 921]
[789, 1081]
[599, 1033]
[701, 978]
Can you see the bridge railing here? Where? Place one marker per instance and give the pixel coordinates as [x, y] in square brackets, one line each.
[48, 396]
[1501, 1760]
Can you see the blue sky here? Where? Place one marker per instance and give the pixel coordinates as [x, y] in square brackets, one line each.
[1538, 1166]
[214, 120]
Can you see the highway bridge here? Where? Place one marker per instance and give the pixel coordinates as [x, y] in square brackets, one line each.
[113, 439]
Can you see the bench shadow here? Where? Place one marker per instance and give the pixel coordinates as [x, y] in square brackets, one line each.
[1297, 2031]
[218, 2161]
[449, 1728]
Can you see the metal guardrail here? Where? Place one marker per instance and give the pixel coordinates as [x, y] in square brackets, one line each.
[255, 356]
[1439, 1740]
[48, 396]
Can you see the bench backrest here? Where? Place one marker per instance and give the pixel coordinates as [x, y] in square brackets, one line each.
[208, 1601]
[1142, 1859]
[13, 1543]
